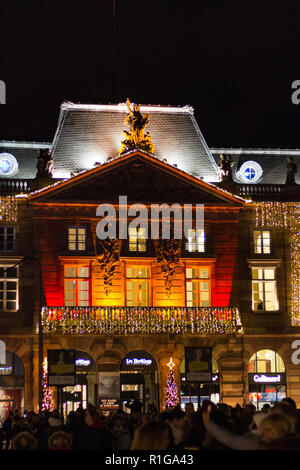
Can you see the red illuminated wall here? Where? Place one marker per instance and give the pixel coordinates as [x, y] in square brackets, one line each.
[49, 233]
[225, 238]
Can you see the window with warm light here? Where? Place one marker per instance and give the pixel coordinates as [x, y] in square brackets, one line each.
[137, 286]
[77, 238]
[7, 238]
[266, 361]
[198, 287]
[9, 288]
[262, 241]
[77, 286]
[264, 290]
[137, 239]
[196, 241]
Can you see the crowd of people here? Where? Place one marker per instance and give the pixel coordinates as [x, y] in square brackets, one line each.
[212, 427]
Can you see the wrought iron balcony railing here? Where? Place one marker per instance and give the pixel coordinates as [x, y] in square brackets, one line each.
[140, 320]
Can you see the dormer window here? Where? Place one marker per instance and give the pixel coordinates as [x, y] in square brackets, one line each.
[77, 238]
[196, 241]
[137, 239]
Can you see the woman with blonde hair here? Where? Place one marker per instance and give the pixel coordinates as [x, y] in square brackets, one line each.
[152, 436]
[273, 427]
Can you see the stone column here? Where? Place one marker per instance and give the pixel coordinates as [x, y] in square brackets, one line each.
[35, 377]
[232, 373]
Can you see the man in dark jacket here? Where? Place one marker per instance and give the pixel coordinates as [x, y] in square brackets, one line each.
[95, 436]
[7, 429]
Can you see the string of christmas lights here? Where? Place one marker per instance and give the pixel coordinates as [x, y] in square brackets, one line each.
[47, 403]
[8, 209]
[285, 215]
[140, 320]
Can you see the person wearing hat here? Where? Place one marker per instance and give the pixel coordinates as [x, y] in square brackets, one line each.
[24, 441]
[60, 440]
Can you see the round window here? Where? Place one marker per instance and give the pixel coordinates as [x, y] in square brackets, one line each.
[250, 172]
[8, 164]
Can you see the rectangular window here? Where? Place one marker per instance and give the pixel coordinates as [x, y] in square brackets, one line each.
[137, 239]
[262, 241]
[196, 241]
[264, 291]
[7, 238]
[198, 287]
[137, 286]
[9, 288]
[77, 286]
[77, 238]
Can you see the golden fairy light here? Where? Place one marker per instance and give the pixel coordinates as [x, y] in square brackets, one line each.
[8, 209]
[171, 364]
[285, 215]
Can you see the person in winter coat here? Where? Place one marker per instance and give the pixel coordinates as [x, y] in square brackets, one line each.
[247, 441]
[120, 433]
[7, 429]
[95, 435]
[24, 441]
[270, 428]
[60, 440]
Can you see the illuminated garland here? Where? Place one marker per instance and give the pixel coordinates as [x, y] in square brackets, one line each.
[48, 403]
[285, 215]
[8, 209]
[143, 320]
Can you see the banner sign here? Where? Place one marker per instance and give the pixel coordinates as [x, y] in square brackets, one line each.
[267, 378]
[61, 367]
[198, 364]
[109, 386]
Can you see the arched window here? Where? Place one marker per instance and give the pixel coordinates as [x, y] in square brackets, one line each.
[266, 361]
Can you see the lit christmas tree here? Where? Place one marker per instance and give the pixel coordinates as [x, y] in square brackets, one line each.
[171, 398]
[48, 403]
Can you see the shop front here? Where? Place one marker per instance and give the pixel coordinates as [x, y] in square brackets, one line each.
[11, 384]
[139, 380]
[84, 392]
[266, 378]
[197, 392]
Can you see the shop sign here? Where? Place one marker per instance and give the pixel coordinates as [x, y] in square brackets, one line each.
[109, 403]
[83, 362]
[198, 364]
[61, 367]
[138, 362]
[267, 378]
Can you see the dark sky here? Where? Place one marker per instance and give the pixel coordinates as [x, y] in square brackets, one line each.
[233, 61]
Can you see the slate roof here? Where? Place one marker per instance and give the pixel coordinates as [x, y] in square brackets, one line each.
[92, 133]
[26, 155]
[272, 161]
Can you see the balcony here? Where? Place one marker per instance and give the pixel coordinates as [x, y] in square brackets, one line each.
[15, 186]
[140, 320]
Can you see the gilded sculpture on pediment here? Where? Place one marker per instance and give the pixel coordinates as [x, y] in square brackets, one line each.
[136, 138]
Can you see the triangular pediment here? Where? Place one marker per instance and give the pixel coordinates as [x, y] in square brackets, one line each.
[142, 178]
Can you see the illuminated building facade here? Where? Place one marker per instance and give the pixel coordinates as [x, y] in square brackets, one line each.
[128, 306]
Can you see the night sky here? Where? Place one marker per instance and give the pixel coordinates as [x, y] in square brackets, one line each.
[233, 61]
